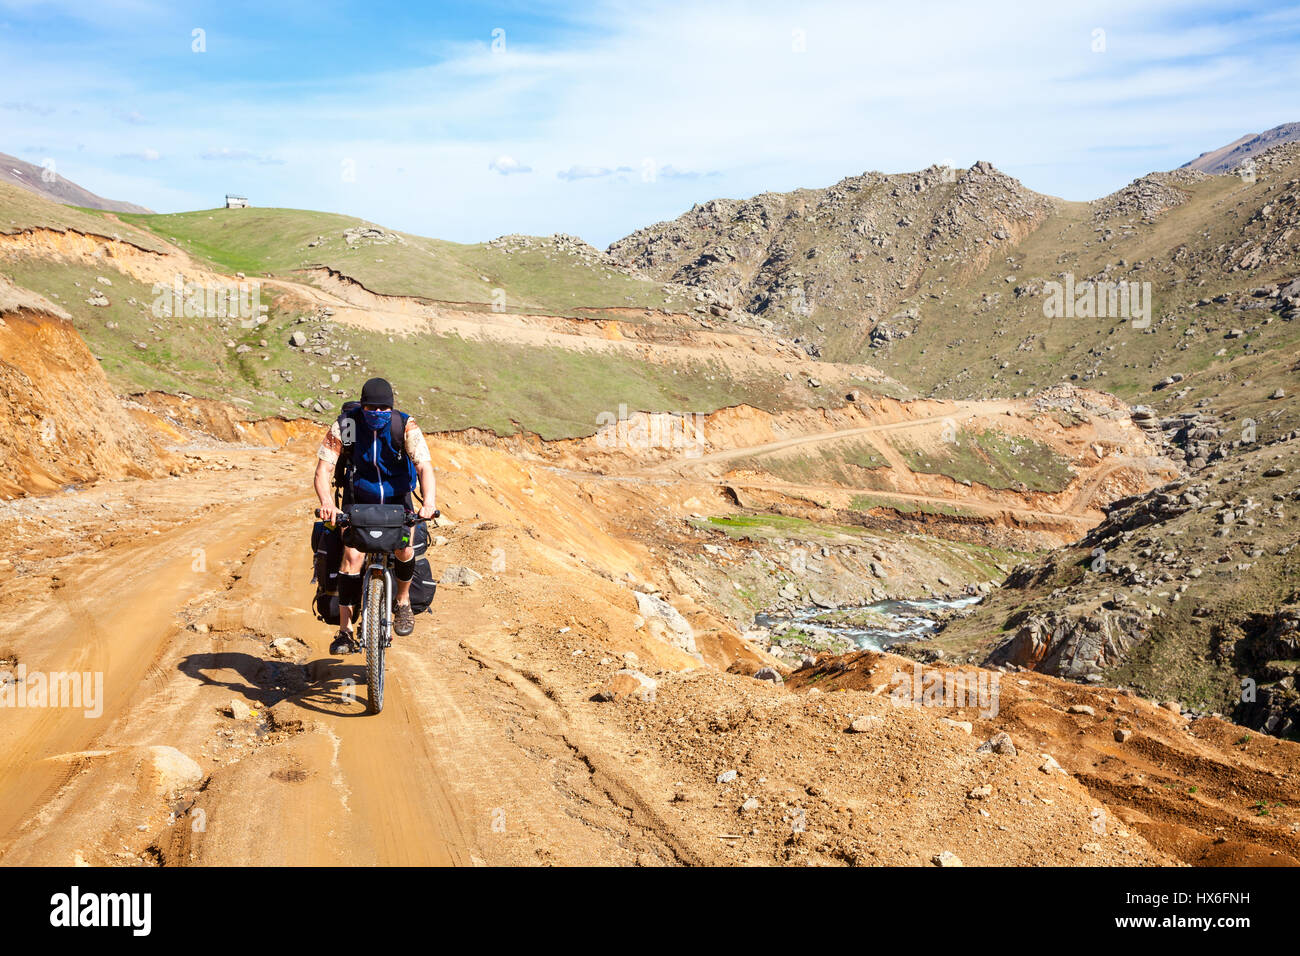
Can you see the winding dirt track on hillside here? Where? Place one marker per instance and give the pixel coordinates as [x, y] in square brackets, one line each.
[1073, 508]
[1081, 520]
[687, 465]
[404, 314]
[668, 340]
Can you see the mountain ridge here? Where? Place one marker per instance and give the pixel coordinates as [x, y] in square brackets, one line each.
[44, 183]
[1226, 158]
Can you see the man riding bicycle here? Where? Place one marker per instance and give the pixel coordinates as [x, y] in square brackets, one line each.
[386, 459]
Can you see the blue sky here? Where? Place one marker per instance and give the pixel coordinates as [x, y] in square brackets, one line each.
[469, 121]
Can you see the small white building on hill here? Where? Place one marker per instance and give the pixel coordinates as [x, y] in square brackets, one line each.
[236, 202]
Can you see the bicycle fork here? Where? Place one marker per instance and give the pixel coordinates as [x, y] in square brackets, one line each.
[385, 612]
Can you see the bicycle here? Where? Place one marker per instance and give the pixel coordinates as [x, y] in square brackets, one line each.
[375, 536]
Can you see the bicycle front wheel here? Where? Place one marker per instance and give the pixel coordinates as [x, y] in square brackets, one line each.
[373, 636]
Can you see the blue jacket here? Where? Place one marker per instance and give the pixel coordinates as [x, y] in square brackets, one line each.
[381, 474]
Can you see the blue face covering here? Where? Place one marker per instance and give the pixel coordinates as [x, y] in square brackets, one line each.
[377, 420]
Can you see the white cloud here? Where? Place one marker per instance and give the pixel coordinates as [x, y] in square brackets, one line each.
[144, 155]
[38, 109]
[583, 172]
[226, 154]
[672, 172]
[508, 165]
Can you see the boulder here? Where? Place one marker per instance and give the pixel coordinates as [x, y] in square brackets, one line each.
[865, 724]
[677, 629]
[1069, 644]
[170, 770]
[628, 685]
[457, 574]
[999, 743]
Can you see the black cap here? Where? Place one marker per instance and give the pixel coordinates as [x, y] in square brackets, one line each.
[377, 391]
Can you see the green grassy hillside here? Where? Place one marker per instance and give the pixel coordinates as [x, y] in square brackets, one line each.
[536, 275]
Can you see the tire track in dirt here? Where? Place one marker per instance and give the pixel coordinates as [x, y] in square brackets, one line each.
[135, 598]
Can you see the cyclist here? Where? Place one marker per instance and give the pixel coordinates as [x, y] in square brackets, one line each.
[379, 472]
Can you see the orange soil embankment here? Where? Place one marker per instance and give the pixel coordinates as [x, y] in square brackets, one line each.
[174, 415]
[60, 422]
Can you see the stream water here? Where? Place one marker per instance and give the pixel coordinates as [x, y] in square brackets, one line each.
[903, 621]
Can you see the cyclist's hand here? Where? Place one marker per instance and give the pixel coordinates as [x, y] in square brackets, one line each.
[328, 513]
[426, 511]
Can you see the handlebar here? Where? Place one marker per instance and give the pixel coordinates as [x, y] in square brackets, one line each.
[411, 516]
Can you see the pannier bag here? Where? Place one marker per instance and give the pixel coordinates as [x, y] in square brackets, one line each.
[326, 607]
[377, 528]
[327, 554]
[423, 587]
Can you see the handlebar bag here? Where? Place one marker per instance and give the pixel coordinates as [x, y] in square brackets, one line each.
[377, 528]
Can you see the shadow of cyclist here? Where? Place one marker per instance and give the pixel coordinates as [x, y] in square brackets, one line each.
[324, 686]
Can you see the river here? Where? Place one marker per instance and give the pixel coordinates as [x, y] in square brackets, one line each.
[898, 621]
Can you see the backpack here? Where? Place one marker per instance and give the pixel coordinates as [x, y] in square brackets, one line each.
[327, 543]
[349, 421]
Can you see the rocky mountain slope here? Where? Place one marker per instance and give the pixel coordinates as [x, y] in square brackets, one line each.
[953, 287]
[1200, 604]
[832, 267]
[1226, 158]
[1188, 593]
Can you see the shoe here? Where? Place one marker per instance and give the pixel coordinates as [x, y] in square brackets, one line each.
[343, 643]
[403, 620]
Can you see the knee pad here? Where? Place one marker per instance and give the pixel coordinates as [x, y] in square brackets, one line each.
[404, 570]
[349, 589]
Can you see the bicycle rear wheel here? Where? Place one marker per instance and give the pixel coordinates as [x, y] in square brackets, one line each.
[373, 636]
